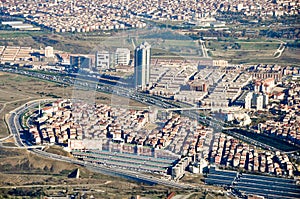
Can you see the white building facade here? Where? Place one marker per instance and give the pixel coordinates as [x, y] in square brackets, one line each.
[49, 52]
[102, 60]
[122, 56]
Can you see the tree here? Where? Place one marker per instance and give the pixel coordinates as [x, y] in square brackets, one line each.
[46, 168]
[51, 169]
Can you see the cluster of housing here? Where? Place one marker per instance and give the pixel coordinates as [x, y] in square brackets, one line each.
[274, 71]
[86, 16]
[168, 76]
[225, 86]
[12, 53]
[286, 109]
[263, 8]
[233, 153]
[82, 126]
[28, 57]
[184, 136]
[54, 125]
[87, 129]
[264, 86]
[66, 122]
[216, 85]
[74, 16]
[49, 59]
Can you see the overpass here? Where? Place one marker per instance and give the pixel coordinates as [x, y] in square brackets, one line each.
[131, 107]
[280, 50]
[161, 109]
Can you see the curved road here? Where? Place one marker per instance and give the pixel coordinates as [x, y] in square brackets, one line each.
[14, 126]
[103, 86]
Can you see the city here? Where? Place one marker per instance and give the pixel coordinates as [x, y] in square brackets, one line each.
[161, 95]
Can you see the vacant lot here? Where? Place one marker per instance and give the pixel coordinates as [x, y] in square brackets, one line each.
[252, 52]
[165, 44]
[23, 173]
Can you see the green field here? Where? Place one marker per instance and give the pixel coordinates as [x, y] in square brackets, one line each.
[243, 46]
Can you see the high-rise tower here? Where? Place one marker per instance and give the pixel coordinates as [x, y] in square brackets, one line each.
[142, 59]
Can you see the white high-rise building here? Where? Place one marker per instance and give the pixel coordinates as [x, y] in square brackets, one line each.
[122, 56]
[142, 65]
[259, 102]
[248, 100]
[49, 52]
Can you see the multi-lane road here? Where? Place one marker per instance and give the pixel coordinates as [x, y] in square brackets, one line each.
[15, 127]
[95, 82]
[89, 81]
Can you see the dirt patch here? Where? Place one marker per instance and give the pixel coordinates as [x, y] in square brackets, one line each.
[58, 150]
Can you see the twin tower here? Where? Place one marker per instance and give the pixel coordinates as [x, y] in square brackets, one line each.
[142, 61]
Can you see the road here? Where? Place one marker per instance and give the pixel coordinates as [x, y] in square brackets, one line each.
[15, 126]
[203, 49]
[121, 90]
[5, 138]
[54, 185]
[280, 50]
[89, 80]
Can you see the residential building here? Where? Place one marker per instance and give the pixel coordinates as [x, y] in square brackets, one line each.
[103, 60]
[259, 101]
[265, 100]
[80, 61]
[49, 52]
[248, 100]
[122, 56]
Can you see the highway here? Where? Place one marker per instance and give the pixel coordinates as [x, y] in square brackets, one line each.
[15, 127]
[121, 90]
[14, 122]
[89, 81]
